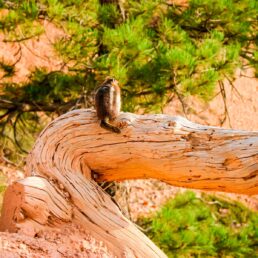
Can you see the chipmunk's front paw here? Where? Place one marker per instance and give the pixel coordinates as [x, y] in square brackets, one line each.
[122, 124]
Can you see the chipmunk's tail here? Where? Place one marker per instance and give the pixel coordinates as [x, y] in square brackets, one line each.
[106, 125]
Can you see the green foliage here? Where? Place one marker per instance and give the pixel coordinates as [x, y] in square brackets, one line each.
[7, 69]
[155, 50]
[206, 226]
[2, 189]
[53, 93]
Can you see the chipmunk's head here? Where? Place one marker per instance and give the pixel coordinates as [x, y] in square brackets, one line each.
[110, 84]
[109, 81]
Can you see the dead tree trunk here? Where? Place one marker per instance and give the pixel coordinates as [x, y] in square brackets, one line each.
[73, 149]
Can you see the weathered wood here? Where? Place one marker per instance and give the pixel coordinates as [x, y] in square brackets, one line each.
[35, 204]
[171, 149]
[74, 148]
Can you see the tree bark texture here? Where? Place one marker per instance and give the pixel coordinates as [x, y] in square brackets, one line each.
[73, 150]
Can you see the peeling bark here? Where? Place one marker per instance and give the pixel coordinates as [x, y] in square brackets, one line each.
[74, 148]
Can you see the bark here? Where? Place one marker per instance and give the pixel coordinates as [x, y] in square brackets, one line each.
[73, 149]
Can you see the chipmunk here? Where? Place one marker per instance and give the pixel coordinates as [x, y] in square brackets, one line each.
[108, 104]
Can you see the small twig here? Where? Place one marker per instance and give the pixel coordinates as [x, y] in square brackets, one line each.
[18, 40]
[246, 76]
[170, 98]
[233, 87]
[109, 185]
[15, 133]
[6, 160]
[182, 102]
[226, 113]
[3, 125]
[5, 114]
[178, 94]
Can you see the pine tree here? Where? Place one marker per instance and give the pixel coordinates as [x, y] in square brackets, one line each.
[204, 226]
[155, 49]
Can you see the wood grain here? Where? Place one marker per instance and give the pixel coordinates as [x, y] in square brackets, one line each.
[73, 152]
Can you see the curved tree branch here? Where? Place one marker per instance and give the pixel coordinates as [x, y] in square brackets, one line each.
[73, 149]
[171, 149]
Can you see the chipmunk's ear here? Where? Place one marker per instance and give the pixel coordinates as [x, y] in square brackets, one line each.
[108, 80]
[114, 82]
